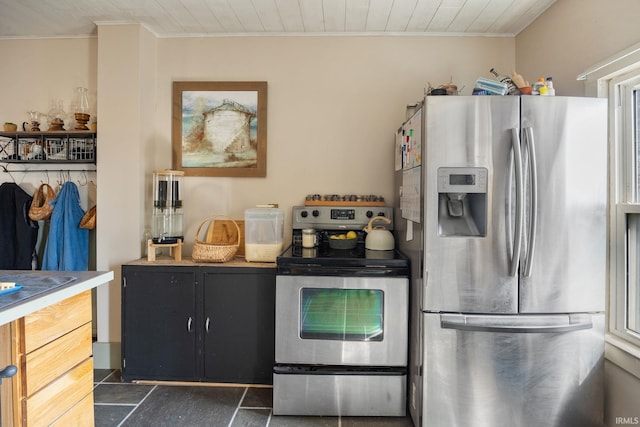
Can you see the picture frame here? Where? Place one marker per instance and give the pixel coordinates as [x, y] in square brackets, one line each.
[219, 129]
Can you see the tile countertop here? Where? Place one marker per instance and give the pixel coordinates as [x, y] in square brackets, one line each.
[41, 289]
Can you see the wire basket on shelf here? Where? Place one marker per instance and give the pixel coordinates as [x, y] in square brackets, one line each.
[211, 251]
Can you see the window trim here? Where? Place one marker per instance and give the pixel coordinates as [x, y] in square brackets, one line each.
[610, 80]
[624, 199]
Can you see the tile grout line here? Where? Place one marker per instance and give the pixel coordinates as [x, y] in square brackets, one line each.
[238, 407]
[137, 405]
[114, 404]
[269, 418]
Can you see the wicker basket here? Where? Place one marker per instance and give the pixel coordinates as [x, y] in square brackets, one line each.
[88, 220]
[211, 251]
[40, 208]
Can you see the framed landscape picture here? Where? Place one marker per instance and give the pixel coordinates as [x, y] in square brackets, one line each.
[220, 128]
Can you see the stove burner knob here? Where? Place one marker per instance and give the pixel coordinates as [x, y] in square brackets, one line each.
[303, 214]
[315, 213]
[369, 214]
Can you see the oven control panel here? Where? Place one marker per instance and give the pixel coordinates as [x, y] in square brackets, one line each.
[337, 214]
[337, 218]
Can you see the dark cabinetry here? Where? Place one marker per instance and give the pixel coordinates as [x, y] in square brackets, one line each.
[198, 323]
[158, 328]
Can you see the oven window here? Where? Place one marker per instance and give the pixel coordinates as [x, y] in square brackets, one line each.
[341, 314]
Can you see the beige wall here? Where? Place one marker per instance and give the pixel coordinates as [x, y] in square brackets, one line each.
[35, 72]
[573, 35]
[126, 105]
[333, 106]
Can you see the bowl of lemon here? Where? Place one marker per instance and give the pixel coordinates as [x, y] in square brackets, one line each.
[343, 240]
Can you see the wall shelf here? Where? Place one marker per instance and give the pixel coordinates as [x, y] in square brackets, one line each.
[48, 147]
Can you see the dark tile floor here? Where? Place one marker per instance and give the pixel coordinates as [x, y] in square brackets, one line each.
[143, 405]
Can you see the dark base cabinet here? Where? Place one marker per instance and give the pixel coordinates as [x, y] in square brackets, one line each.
[198, 323]
[158, 326]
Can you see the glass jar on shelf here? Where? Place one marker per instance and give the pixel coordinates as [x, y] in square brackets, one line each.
[56, 115]
[81, 110]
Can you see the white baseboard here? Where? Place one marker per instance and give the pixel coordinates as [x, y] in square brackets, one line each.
[106, 355]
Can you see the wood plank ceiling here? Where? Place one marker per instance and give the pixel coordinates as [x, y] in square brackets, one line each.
[172, 18]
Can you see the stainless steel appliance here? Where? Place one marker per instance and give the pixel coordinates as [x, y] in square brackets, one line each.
[341, 320]
[501, 211]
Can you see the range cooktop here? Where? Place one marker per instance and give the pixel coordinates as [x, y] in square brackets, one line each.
[323, 260]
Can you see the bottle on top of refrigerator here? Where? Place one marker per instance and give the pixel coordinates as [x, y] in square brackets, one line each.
[511, 86]
[550, 89]
[543, 90]
[535, 89]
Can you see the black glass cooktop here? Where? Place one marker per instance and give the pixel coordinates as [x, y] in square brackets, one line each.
[324, 260]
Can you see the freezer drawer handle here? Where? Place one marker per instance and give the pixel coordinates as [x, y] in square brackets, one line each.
[517, 238]
[546, 329]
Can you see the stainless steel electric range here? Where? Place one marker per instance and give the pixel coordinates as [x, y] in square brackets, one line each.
[341, 320]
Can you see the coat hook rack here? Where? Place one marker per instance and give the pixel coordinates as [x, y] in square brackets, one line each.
[68, 171]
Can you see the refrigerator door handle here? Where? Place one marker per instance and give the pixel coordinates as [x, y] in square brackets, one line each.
[459, 323]
[533, 207]
[519, 215]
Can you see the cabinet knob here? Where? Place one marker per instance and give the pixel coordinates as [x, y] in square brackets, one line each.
[8, 372]
[206, 324]
[189, 324]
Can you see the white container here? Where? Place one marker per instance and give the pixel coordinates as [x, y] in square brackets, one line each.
[263, 234]
[492, 86]
[308, 238]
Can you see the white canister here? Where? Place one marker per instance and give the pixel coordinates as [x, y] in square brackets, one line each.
[308, 238]
[263, 238]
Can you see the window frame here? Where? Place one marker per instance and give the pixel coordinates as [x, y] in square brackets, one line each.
[625, 201]
[621, 347]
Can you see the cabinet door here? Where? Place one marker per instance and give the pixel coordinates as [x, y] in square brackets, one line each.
[239, 313]
[158, 325]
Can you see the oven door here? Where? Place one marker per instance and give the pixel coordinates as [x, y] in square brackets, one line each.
[335, 320]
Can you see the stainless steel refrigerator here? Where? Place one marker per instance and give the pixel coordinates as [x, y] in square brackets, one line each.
[501, 208]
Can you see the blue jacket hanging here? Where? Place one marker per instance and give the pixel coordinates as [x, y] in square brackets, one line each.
[67, 247]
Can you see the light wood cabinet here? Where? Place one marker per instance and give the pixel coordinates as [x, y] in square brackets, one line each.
[52, 348]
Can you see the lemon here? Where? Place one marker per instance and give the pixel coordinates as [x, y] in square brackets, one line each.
[342, 237]
[351, 235]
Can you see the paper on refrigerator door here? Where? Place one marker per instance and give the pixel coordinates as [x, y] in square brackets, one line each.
[410, 194]
[399, 151]
[409, 236]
